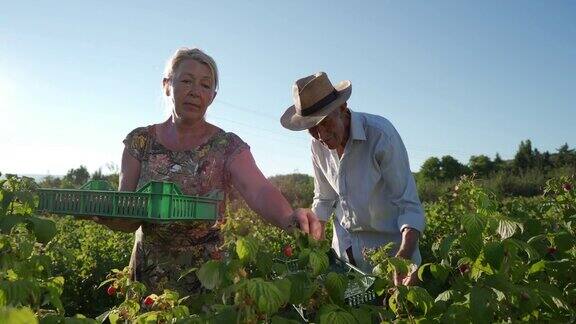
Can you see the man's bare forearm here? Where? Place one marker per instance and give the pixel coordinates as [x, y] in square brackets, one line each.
[409, 243]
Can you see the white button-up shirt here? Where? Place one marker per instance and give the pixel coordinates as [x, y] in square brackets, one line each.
[370, 188]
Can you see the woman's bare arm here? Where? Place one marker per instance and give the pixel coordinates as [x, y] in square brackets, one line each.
[266, 200]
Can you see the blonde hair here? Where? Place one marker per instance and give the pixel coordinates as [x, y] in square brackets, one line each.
[196, 54]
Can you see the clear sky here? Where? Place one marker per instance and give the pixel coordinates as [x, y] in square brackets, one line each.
[455, 77]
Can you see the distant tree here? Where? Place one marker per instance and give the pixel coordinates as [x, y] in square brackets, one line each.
[297, 188]
[76, 177]
[431, 169]
[524, 158]
[498, 164]
[565, 156]
[50, 182]
[113, 178]
[451, 168]
[481, 165]
[97, 175]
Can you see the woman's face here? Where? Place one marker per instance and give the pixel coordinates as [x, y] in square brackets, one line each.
[192, 90]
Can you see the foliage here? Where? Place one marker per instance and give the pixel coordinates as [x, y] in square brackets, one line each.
[297, 188]
[525, 175]
[83, 252]
[486, 260]
[29, 289]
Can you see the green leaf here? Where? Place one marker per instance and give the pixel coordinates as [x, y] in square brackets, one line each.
[210, 274]
[43, 229]
[479, 267]
[318, 262]
[301, 289]
[472, 245]
[3, 298]
[131, 306]
[445, 246]
[537, 267]
[336, 285]
[264, 263]
[399, 265]
[9, 221]
[445, 296]
[223, 314]
[247, 249]
[180, 311]
[113, 317]
[494, 254]
[420, 298]
[17, 315]
[440, 272]
[480, 299]
[564, 241]
[507, 227]
[281, 320]
[473, 223]
[381, 286]
[186, 272]
[284, 286]
[513, 246]
[332, 314]
[267, 296]
[550, 295]
[393, 302]
[362, 314]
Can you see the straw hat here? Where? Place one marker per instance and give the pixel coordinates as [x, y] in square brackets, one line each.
[314, 98]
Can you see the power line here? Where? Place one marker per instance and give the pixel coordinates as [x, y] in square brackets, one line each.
[277, 136]
[424, 149]
[244, 109]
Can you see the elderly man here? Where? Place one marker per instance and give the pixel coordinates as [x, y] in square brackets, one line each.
[361, 172]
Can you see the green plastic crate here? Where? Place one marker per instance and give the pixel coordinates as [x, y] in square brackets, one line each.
[158, 201]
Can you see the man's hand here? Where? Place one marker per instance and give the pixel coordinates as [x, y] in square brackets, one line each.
[409, 279]
[308, 222]
[408, 245]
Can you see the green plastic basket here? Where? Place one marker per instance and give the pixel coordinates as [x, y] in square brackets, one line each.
[159, 201]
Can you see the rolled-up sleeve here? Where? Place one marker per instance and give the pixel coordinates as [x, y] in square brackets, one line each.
[401, 187]
[324, 195]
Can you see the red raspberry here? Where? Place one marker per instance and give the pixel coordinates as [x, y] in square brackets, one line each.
[149, 301]
[551, 250]
[567, 187]
[216, 255]
[287, 250]
[464, 268]
[111, 291]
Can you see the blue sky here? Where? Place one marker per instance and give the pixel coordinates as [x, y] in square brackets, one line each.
[455, 77]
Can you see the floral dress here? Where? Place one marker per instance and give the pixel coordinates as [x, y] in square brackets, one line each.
[162, 252]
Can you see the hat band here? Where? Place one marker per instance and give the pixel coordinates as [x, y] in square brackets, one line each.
[320, 104]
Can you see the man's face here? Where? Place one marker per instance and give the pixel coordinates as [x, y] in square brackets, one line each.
[331, 131]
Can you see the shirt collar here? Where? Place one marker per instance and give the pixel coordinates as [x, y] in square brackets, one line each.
[357, 127]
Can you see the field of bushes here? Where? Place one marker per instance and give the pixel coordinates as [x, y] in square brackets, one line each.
[486, 259]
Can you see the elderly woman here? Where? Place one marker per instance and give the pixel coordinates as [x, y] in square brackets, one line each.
[200, 158]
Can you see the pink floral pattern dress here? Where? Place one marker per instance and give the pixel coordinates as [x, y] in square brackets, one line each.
[162, 252]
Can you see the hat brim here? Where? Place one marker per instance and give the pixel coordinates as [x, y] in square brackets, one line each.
[295, 122]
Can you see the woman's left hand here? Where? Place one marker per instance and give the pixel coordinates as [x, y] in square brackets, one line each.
[308, 222]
